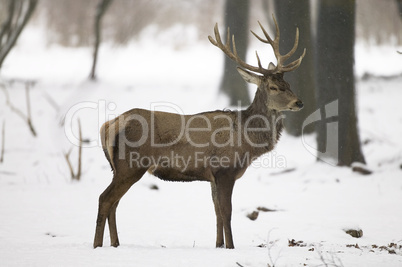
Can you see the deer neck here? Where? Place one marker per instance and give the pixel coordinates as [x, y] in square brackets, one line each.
[259, 108]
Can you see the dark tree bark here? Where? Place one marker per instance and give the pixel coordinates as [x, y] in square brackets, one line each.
[18, 14]
[399, 3]
[236, 18]
[335, 81]
[291, 14]
[100, 11]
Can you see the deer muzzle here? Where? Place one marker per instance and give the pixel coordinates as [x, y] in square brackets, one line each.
[297, 105]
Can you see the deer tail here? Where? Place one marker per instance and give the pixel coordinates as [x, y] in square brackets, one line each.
[107, 139]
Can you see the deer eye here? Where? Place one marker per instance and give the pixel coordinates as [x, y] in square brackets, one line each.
[273, 88]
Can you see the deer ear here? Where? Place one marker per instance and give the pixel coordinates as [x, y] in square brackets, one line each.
[249, 76]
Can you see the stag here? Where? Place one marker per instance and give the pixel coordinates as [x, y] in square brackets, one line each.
[215, 146]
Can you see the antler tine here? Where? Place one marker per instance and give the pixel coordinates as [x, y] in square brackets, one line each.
[293, 50]
[212, 39]
[234, 47]
[228, 39]
[268, 40]
[232, 54]
[274, 43]
[259, 61]
[278, 34]
[259, 38]
[217, 35]
[295, 64]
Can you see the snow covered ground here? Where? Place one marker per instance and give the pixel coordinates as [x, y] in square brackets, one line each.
[48, 220]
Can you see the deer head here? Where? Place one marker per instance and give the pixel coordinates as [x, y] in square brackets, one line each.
[269, 80]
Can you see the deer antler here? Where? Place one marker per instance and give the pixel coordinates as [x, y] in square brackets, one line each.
[233, 54]
[279, 68]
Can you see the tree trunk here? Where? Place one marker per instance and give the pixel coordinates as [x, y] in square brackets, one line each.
[100, 11]
[11, 29]
[291, 14]
[399, 3]
[335, 82]
[236, 18]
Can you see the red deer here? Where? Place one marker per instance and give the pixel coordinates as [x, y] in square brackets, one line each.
[215, 146]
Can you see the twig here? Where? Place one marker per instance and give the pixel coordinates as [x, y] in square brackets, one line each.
[27, 118]
[75, 176]
[79, 151]
[270, 245]
[8, 173]
[51, 101]
[332, 262]
[3, 134]
[70, 166]
[321, 257]
[284, 171]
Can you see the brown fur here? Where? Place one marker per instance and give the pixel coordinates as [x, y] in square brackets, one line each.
[167, 127]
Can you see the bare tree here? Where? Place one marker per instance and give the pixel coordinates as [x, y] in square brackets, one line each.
[69, 22]
[100, 11]
[18, 14]
[399, 3]
[335, 81]
[379, 22]
[236, 18]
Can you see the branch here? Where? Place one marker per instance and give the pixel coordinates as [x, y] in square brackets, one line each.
[270, 245]
[334, 261]
[15, 32]
[70, 166]
[27, 118]
[3, 134]
[8, 102]
[51, 101]
[75, 176]
[78, 176]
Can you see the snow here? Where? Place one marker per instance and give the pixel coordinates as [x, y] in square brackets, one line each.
[48, 220]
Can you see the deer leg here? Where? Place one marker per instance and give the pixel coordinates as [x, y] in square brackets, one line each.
[219, 222]
[108, 204]
[114, 239]
[103, 212]
[224, 191]
[106, 201]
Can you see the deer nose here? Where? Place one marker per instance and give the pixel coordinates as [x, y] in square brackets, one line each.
[299, 104]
